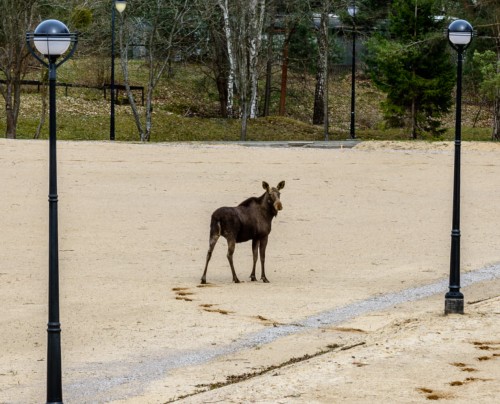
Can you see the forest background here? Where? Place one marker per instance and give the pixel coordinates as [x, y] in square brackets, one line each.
[255, 70]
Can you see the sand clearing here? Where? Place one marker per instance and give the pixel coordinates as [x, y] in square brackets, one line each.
[357, 224]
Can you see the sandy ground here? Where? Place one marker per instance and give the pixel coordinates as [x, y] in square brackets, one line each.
[357, 224]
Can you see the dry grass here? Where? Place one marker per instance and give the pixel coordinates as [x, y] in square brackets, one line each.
[186, 109]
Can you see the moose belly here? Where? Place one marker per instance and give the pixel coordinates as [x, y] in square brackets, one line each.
[250, 234]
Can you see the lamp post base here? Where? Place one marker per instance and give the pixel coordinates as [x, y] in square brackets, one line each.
[453, 305]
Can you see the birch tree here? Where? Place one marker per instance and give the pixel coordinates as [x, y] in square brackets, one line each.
[231, 57]
[243, 22]
[258, 8]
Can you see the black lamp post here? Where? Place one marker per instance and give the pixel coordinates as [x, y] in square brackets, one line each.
[120, 6]
[353, 10]
[52, 39]
[459, 35]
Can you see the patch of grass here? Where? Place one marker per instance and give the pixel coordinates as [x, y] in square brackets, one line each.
[186, 108]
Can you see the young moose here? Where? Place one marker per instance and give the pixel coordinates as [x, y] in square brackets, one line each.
[250, 220]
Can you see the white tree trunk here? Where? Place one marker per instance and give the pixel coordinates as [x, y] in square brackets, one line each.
[257, 21]
[223, 4]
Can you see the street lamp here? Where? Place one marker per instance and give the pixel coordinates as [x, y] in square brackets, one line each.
[52, 39]
[119, 5]
[459, 35]
[353, 10]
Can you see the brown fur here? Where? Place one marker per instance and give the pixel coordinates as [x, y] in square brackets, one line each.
[250, 220]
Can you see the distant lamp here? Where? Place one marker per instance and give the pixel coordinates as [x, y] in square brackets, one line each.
[120, 5]
[352, 10]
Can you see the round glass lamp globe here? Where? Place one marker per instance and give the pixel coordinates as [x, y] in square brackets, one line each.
[460, 32]
[52, 38]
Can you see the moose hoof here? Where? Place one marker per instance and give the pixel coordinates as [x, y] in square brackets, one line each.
[264, 279]
[236, 280]
[253, 279]
[203, 281]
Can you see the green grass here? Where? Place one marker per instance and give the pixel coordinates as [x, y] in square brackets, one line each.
[186, 109]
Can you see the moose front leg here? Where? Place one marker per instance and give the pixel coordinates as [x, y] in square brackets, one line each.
[262, 251]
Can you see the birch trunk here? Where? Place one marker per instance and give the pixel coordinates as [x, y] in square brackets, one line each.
[223, 4]
[243, 64]
[257, 22]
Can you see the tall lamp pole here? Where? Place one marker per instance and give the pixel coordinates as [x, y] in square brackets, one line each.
[118, 5]
[353, 10]
[52, 39]
[459, 34]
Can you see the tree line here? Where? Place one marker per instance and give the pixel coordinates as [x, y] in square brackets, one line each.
[239, 41]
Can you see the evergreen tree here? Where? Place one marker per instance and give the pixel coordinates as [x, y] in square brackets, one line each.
[412, 65]
[485, 18]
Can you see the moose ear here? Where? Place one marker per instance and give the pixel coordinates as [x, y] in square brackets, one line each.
[265, 185]
[281, 185]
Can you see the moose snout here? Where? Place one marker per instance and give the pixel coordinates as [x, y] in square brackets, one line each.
[278, 205]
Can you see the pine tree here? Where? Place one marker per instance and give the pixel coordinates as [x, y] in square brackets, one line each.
[412, 65]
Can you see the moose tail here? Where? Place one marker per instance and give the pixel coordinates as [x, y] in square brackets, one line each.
[215, 228]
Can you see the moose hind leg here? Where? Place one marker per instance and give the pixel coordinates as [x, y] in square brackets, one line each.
[231, 245]
[255, 251]
[213, 240]
[262, 251]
